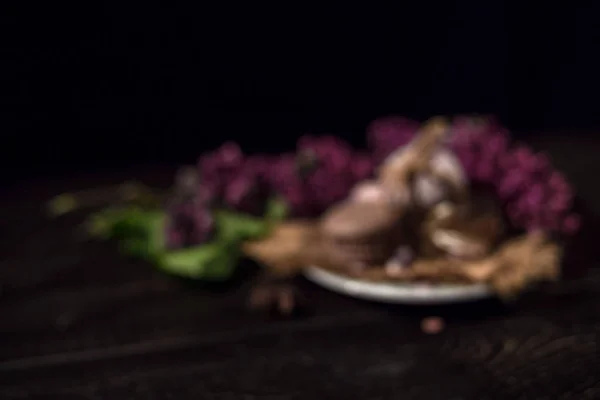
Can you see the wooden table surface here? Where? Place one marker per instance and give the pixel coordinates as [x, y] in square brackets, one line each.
[81, 322]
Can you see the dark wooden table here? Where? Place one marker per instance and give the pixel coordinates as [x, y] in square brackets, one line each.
[78, 321]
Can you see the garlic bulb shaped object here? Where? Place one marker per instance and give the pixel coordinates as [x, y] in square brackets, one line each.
[429, 188]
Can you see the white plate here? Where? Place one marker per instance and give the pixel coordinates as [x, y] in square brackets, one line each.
[398, 293]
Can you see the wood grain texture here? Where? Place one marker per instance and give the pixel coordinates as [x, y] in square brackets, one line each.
[81, 322]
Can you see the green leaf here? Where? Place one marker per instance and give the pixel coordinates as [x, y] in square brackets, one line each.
[234, 227]
[104, 224]
[212, 261]
[140, 232]
[135, 247]
[277, 209]
[154, 224]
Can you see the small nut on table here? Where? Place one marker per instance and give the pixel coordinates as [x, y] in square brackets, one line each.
[432, 325]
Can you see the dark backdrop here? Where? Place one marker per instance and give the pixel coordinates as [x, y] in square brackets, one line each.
[119, 83]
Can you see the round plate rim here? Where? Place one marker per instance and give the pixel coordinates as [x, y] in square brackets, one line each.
[397, 292]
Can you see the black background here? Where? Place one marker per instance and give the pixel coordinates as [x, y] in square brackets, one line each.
[105, 84]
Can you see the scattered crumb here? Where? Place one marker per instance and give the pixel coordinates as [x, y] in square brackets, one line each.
[286, 302]
[259, 297]
[280, 297]
[432, 325]
[394, 269]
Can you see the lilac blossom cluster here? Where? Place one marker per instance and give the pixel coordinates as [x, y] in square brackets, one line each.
[324, 169]
[535, 195]
[321, 171]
